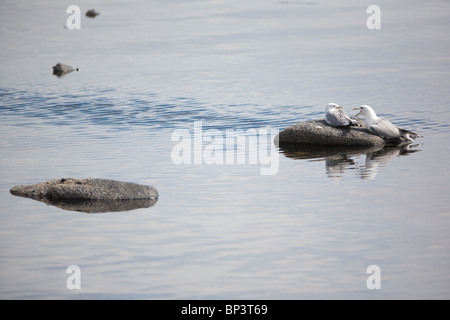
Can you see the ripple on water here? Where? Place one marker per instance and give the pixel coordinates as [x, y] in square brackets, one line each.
[109, 108]
[124, 110]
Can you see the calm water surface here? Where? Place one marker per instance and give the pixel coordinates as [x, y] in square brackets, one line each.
[224, 231]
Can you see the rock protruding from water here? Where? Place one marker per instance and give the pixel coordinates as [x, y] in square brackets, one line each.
[90, 195]
[61, 69]
[319, 133]
[92, 13]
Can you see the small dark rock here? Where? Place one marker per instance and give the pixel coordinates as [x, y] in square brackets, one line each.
[61, 69]
[92, 13]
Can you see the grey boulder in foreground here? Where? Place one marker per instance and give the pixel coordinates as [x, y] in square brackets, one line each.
[319, 133]
[90, 195]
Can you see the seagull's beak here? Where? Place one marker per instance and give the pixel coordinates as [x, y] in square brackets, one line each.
[358, 112]
[339, 107]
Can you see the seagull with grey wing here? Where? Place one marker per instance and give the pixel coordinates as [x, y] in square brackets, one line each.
[335, 116]
[383, 127]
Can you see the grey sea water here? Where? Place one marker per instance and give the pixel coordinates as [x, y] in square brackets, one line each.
[224, 231]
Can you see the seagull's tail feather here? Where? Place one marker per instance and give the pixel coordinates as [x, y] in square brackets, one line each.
[406, 133]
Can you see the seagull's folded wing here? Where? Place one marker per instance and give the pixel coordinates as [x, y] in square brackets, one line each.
[384, 128]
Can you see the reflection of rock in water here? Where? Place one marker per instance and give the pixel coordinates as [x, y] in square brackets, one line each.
[338, 159]
[100, 206]
[90, 195]
[298, 151]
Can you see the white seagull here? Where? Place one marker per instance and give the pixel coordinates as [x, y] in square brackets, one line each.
[335, 116]
[383, 127]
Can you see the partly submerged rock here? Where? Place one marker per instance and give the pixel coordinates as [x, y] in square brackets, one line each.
[318, 132]
[61, 69]
[90, 195]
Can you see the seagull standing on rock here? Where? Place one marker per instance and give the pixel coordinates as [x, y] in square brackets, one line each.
[383, 127]
[335, 116]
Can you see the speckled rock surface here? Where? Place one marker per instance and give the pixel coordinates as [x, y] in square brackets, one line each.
[318, 132]
[85, 189]
[61, 69]
[90, 195]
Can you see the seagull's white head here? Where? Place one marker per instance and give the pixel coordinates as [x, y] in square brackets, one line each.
[366, 111]
[331, 106]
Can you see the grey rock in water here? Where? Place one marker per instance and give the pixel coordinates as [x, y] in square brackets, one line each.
[90, 195]
[319, 133]
[61, 69]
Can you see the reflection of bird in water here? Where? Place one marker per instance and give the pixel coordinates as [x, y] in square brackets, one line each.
[376, 160]
[339, 159]
[336, 165]
[383, 127]
[335, 116]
